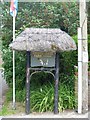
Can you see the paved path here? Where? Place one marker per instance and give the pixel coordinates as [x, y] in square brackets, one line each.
[66, 114]
[3, 87]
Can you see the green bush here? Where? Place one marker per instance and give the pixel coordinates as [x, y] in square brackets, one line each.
[67, 62]
[20, 95]
[20, 65]
[28, 17]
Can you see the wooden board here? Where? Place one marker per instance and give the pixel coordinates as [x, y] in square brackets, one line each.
[45, 61]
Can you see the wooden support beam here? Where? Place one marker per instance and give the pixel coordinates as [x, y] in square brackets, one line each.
[56, 83]
[83, 25]
[28, 84]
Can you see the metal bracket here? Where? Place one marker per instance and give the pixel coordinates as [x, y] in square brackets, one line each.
[41, 71]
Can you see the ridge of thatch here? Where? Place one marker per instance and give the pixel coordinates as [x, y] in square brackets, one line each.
[43, 40]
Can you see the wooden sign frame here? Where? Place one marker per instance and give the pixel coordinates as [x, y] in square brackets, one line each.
[28, 77]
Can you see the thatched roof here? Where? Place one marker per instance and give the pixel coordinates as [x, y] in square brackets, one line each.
[43, 40]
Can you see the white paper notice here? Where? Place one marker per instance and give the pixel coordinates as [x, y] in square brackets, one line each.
[85, 56]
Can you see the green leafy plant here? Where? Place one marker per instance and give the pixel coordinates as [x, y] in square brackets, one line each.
[42, 97]
[50, 15]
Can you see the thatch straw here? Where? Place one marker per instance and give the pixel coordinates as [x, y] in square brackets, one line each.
[43, 40]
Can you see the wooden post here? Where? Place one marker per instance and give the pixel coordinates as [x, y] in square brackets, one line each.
[83, 25]
[80, 70]
[56, 83]
[28, 83]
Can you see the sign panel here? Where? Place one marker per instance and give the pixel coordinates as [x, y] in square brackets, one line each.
[45, 61]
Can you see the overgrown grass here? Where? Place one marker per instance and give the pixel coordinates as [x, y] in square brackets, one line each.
[42, 97]
[8, 110]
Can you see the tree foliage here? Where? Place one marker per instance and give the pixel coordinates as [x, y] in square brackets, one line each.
[42, 15]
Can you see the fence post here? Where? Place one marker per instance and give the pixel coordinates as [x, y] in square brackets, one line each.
[56, 83]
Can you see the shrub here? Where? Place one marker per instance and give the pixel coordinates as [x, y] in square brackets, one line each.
[67, 62]
[42, 99]
[45, 10]
[20, 66]
[39, 82]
